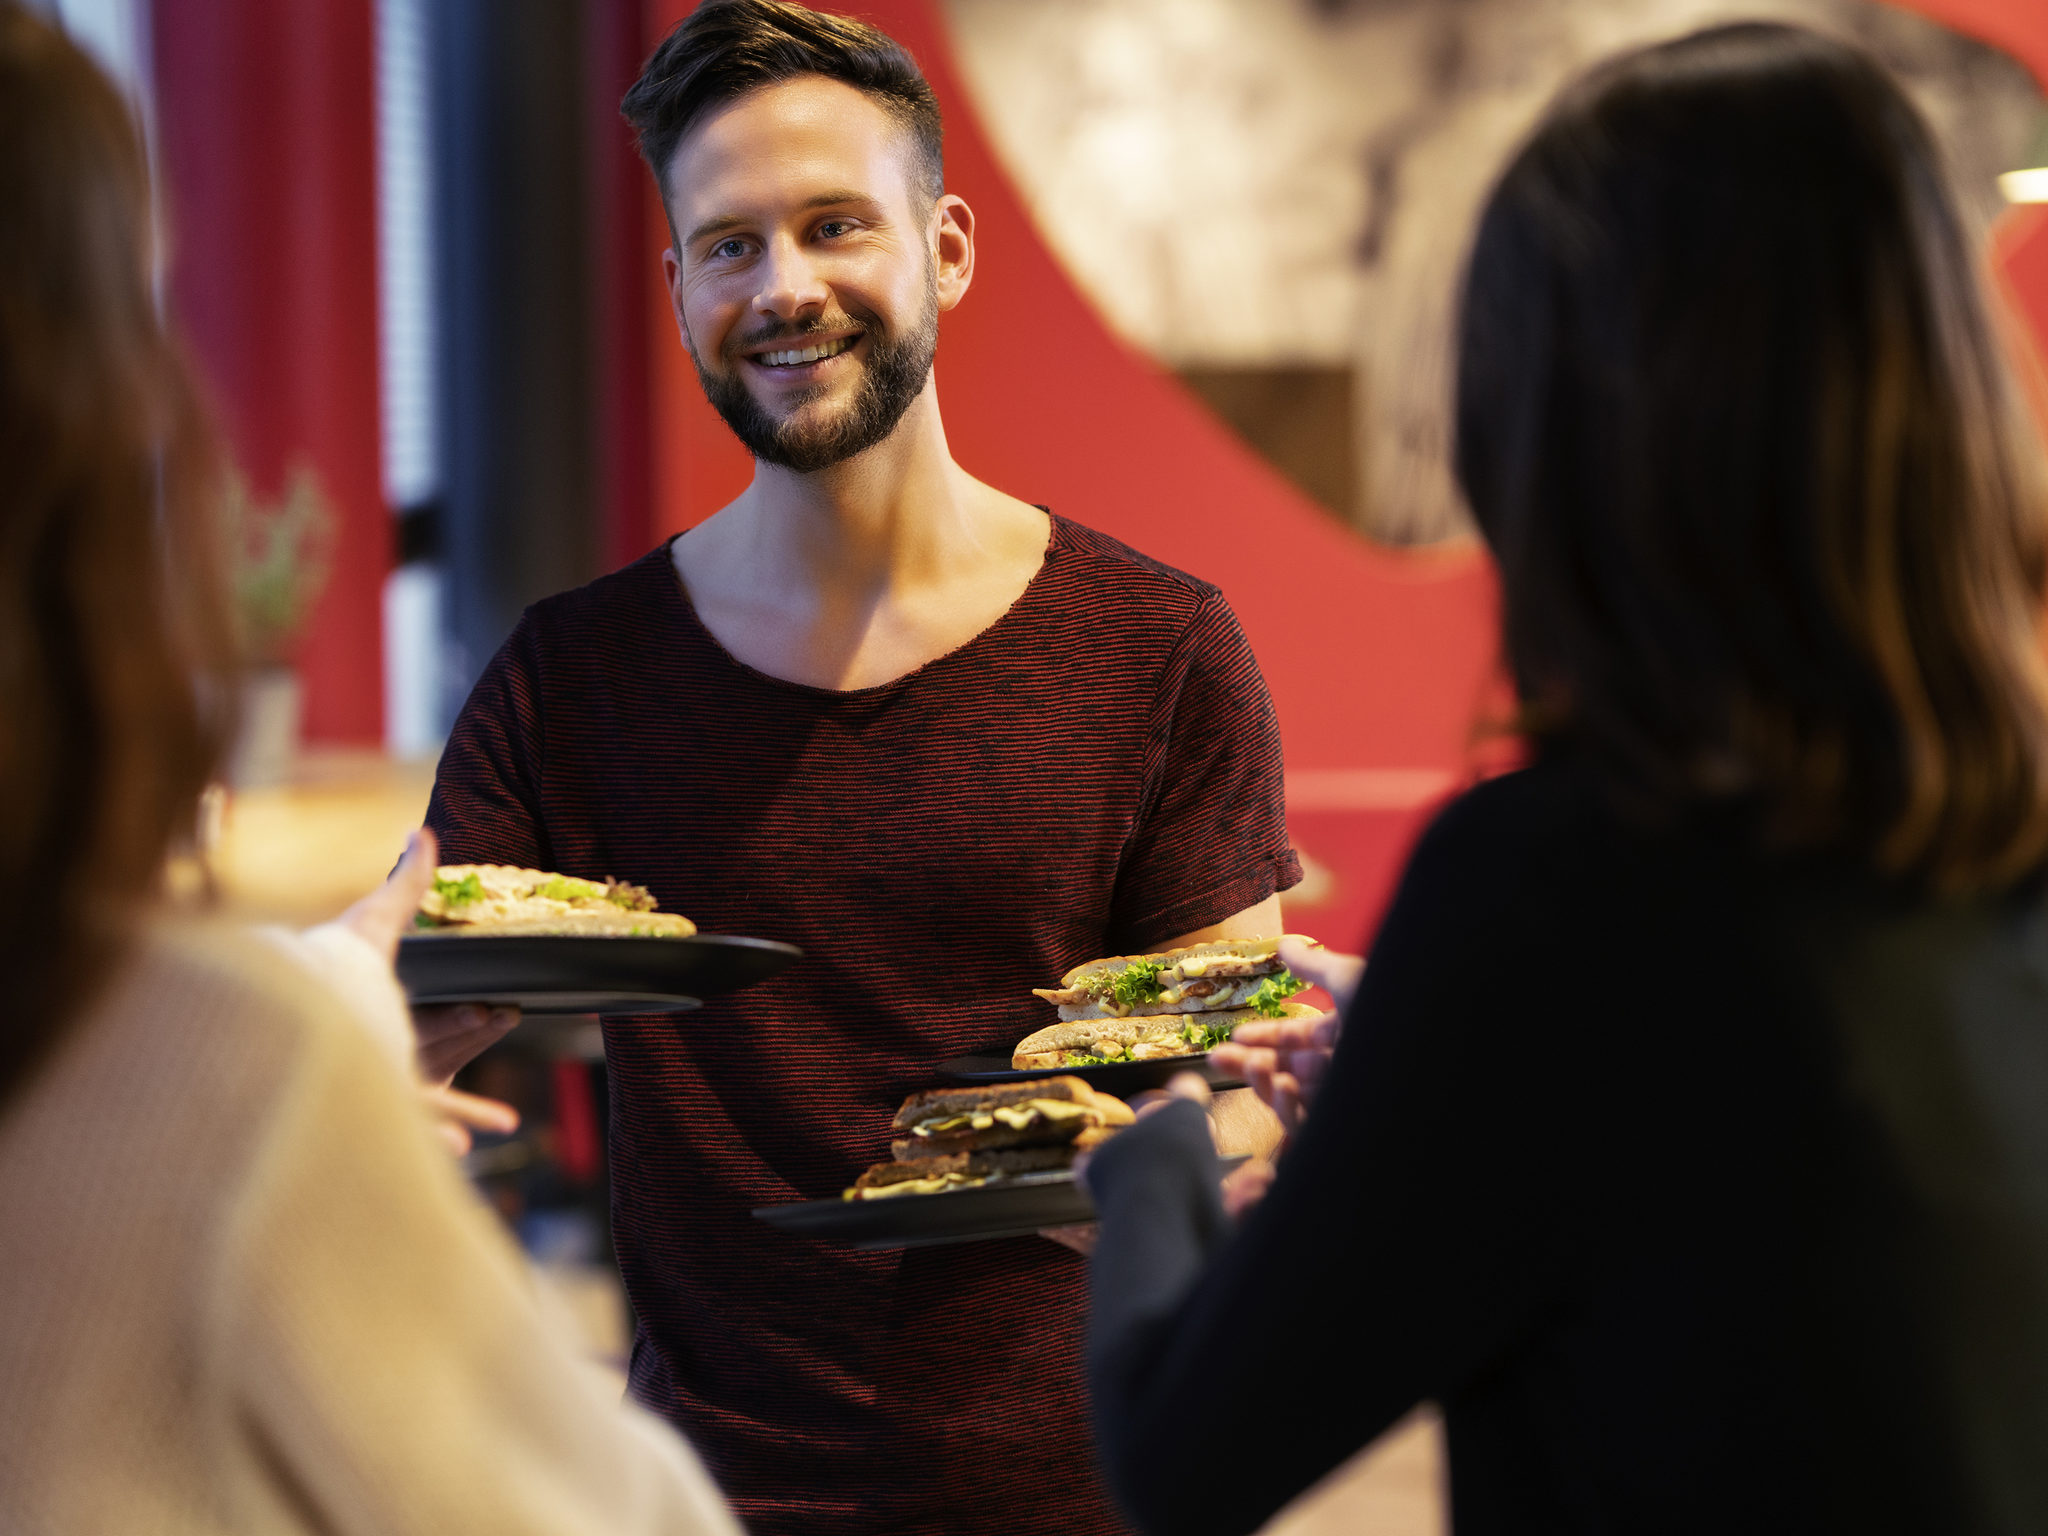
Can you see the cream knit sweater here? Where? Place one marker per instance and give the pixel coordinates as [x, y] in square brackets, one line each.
[242, 1287]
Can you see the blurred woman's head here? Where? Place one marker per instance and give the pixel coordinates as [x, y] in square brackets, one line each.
[114, 645]
[1731, 415]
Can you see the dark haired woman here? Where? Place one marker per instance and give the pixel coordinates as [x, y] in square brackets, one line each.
[242, 1288]
[1687, 1139]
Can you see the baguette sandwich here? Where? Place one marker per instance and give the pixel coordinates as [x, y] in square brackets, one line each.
[1145, 1007]
[1145, 1037]
[502, 899]
[956, 1138]
[1200, 978]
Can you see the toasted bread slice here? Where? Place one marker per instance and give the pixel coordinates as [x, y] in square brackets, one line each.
[965, 1170]
[1043, 1112]
[1141, 1037]
[953, 1101]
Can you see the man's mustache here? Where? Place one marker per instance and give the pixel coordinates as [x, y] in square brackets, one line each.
[829, 325]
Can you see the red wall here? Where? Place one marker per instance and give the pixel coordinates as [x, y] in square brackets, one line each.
[1380, 662]
[1377, 660]
[268, 141]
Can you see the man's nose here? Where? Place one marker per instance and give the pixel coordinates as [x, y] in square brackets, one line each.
[790, 283]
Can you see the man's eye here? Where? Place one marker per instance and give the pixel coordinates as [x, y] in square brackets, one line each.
[729, 249]
[831, 229]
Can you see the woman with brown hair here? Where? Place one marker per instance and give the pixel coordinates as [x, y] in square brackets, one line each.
[1687, 1137]
[243, 1289]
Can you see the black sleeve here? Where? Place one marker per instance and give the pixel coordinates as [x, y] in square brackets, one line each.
[1417, 1225]
[486, 806]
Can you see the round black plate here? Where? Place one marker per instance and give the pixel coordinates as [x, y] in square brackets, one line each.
[1122, 1078]
[584, 974]
[1009, 1208]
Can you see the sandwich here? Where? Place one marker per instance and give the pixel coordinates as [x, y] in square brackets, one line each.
[502, 899]
[1143, 1037]
[1179, 1003]
[958, 1138]
[1199, 978]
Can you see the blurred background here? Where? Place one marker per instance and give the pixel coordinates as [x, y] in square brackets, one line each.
[417, 259]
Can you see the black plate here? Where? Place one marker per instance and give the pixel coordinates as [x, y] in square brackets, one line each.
[574, 973]
[1014, 1207]
[1122, 1078]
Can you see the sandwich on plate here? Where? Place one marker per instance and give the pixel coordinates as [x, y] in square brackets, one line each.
[503, 900]
[1144, 1007]
[958, 1138]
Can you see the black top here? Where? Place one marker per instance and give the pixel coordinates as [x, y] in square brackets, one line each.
[1703, 1192]
[1097, 771]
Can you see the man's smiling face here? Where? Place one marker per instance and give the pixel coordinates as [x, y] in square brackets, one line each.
[805, 276]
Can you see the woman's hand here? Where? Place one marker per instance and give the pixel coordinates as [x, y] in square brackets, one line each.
[458, 1114]
[383, 916]
[1183, 1085]
[1283, 1060]
[449, 1038]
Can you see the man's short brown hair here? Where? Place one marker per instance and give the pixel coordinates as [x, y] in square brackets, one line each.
[726, 48]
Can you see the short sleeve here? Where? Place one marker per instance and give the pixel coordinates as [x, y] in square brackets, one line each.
[486, 803]
[1211, 837]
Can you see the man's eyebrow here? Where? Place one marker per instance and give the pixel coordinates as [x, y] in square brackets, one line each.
[713, 226]
[836, 198]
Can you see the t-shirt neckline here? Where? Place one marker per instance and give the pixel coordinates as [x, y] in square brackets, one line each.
[1055, 545]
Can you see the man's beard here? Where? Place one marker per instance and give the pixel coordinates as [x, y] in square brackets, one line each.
[892, 377]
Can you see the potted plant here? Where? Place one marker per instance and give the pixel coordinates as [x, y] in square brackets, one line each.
[280, 554]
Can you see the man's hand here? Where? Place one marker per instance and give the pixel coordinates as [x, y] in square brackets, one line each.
[1284, 1059]
[451, 1038]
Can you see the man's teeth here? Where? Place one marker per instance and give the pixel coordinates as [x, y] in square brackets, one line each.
[807, 354]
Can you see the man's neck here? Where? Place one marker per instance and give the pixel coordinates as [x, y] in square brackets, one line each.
[865, 571]
[896, 517]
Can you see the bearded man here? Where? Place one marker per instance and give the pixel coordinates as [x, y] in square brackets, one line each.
[948, 742]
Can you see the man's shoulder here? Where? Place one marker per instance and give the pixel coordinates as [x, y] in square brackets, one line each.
[597, 607]
[1147, 591]
[1098, 551]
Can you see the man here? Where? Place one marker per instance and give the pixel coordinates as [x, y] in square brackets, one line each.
[949, 744]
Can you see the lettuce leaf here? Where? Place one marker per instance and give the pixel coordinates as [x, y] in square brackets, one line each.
[1274, 991]
[459, 893]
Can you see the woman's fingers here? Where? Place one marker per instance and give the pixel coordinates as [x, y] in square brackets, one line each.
[381, 917]
[457, 1115]
[1337, 974]
[1182, 1085]
[1287, 1101]
[1245, 1186]
[473, 1110]
[1278, 1034]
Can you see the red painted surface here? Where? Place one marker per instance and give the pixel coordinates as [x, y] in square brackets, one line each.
[1375, 658]
[2019, 247]
[578, 1148]
[266, 117]
[1378, 660]
[2020, 27]
[2020, 256]
[619, 195]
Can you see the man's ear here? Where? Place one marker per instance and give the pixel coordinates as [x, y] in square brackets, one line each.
[952, 245]
[672, 274]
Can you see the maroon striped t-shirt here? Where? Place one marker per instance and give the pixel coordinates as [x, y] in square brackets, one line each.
[1097, 771]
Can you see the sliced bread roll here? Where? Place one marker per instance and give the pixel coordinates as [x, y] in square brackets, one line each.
[1141, 1037]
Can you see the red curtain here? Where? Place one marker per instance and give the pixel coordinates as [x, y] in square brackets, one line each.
[268, 139]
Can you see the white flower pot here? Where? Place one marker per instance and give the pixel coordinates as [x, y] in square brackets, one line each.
[267, 746]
